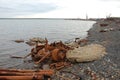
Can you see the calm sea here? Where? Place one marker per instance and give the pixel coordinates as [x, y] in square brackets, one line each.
[54, 29]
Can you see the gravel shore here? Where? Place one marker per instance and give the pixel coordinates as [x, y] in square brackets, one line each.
[109, 66]
[107, 33]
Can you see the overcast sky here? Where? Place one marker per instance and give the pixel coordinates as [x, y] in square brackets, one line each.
[59, 8]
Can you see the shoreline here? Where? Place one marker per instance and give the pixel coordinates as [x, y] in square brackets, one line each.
[104, 32]
[108, 67]
[109, 38]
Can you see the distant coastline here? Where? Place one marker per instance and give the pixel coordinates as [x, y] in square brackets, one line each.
[54, 18]
[81, 19]
[34, 18]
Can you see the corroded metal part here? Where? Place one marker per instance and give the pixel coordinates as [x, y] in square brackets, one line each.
[56, 51]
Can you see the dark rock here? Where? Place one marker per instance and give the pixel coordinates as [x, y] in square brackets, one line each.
[19, 41]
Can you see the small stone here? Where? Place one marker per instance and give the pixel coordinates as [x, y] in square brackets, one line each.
[19, 41]
[36, 66]
[112, 76]
[46, 67]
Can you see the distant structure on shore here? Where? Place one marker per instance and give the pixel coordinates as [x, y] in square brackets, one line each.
[108, 16]
[86, 16]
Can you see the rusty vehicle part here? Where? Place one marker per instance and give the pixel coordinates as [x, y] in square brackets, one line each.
[21, 77]
[55, 51]
[59, 65]
[25, 72]
[14, 74]
[58, 54]
[47, 54]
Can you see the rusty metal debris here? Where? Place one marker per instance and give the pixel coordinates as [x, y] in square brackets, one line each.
[54, 55]
[55, 51]
[13, 74]
[59, 65]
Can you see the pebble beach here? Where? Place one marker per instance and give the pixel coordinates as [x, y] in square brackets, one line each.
[107, 33]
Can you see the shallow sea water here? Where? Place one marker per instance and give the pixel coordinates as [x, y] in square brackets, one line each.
[54, 29]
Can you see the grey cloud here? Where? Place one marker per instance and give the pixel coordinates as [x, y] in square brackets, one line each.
[9, 15]
[9, 8]
[29, 8]
[36, 7]
[5, 9]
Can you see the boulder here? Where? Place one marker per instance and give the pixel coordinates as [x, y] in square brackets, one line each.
[37, 39]
[87, 53]
[19, 41]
